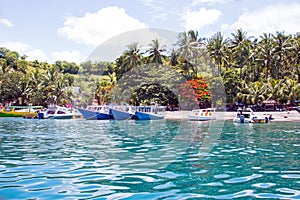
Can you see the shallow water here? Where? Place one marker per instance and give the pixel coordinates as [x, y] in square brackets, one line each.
[165, 159]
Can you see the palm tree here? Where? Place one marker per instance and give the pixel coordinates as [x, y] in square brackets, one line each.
[241, 49]
[265, 54]
[133, 57]
[292, 90]
[282, 45]
[295, 56]
[156, 53]
[130, 59]
[252, 93]
[174, 58]
[217, 47]
[189, 49]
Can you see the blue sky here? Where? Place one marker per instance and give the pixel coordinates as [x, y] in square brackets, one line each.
[71, 30]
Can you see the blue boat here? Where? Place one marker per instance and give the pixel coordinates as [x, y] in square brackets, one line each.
[96, 113]
[123, 112]
[150, 112]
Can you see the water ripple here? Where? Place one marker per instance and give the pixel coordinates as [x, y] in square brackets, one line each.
[47, 159]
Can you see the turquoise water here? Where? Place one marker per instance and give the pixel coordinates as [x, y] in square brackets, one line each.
[78, 159]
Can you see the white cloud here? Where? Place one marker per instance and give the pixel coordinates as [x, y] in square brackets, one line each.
[36, 54]
[69, 56]
[210, 2]
[196, 20]
[40, 55]
[152, 4]
[6, 22]
[15, 46]
[268, 20]
[95, 28]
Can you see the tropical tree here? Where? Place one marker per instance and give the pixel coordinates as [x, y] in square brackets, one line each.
[216, 47]
[156, 53]
[241, 50]
[189, 45]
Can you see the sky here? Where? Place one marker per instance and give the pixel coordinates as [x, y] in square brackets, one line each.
[72, 29]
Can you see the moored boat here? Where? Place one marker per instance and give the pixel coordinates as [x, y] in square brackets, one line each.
[19, 111]
[96, 112]
[123, 112]
[150, 112]
[56, 112]
[202, 114]
[248, 116]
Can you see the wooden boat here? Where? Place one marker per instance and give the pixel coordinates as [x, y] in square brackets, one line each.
[93, 112]
[123, 112]
[19, 111]
[150, 112]
[202, 114]
[248, 116]
[56, 112]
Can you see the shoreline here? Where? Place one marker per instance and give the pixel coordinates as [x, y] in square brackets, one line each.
[291, 116]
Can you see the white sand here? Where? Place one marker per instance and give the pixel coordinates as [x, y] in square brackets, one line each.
[278, 116]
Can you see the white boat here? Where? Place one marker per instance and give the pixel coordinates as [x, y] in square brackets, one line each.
[56, 112]
[123, 112]
[202, 114]
[94, 112]
[248, 116]
[150, 112]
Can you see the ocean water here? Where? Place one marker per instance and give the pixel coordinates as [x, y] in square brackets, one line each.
[164, 159]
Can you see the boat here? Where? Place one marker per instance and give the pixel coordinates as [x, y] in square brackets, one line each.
[19, 111]
[202, 114]
[96, 112]
[56, 112]
[248, 116]
[123, 112]
[150, 112]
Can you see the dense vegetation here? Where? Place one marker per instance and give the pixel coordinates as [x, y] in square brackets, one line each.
[252, 70]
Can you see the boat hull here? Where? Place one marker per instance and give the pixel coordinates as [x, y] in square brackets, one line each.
[56, 113]
[93, 115]
[201, 118]
[148, 116]
[122, 115]
[60, 117]
[19, 111]
[12, 114]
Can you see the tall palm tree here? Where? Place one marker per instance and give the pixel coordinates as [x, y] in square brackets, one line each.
[156, 53]
[265, 54]
[295, 56]
[216, 47]
[282, 45]
[133, 57]
[189, 45]
[241, 49]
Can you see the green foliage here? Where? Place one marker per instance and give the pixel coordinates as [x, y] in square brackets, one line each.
[250, 70]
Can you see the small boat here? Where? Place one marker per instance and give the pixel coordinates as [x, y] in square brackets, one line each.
[94, 112]
[248, 116]
[150, 112]
[123, 112]
[56, 112]
[19, 111]
[202, 114]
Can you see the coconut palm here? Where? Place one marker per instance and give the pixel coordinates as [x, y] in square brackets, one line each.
[265, 57]
[216, 47]
[282, 45]
[252, 93]
[156, 53]
[189, 45]
[241, 50]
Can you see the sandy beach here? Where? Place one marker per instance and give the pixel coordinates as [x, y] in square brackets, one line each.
[276, 116]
